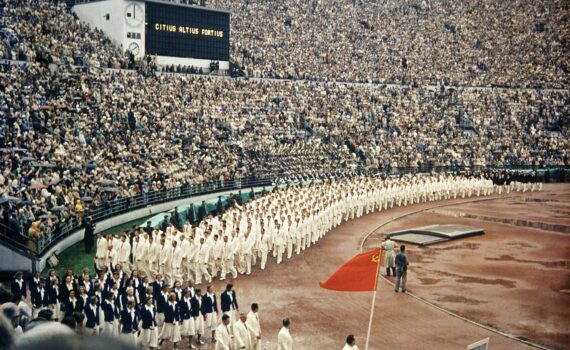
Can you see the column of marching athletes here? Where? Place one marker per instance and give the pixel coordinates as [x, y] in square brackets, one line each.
[151, 291]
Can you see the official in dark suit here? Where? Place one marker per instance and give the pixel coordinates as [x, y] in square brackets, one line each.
[401, 269]
[191, 214]
[88, 240]
[202, 211]
[175, 219]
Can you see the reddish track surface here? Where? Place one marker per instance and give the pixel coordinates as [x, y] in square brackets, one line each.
[510, 279]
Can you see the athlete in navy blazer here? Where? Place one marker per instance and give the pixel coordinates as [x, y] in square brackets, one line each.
[37, 300]
[209, 306]
[18, 285]
[108, 309]
[72, 304]
[148, 317]
[185, 309]
[195, 302]
[171, 312]
[92, 313]
[157, 286]
[53, 294]
[162, 300]
[129, 319]
[227, 302]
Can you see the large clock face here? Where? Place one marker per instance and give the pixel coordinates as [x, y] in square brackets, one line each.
[134, 14]
[134, 49]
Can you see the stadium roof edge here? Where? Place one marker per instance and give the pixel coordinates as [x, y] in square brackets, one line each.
[186, 5]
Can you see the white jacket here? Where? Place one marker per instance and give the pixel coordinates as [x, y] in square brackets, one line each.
[125, 252]
[253, 324]
[102, 247]
[242, 336]
[203, 254]
[177, 256]
[223, 337]
[284, 340]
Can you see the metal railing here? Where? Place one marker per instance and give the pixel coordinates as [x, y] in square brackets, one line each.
[120, 205]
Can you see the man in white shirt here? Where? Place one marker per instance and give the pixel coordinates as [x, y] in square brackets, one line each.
[135, 250]
[242, 334]
[153, 254]
[389, 260]
[101, 254]
[216, 254]
[142, 255]
[165, 261]
[350, 343]
[177, 257]
[228, 264]
[284, 339]
[203, 259]
[263, 247]
[254, 327]
[125, 254]
[247, 250]
[223, 334]
[191, 259]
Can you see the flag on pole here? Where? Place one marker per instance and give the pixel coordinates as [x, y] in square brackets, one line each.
[359, 274]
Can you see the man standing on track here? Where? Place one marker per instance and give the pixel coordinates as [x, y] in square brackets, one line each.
[401, 269]
[389, 258]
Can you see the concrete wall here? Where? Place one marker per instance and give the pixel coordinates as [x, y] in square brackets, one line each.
[13, 261]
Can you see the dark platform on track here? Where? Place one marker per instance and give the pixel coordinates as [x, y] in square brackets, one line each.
[432, 234]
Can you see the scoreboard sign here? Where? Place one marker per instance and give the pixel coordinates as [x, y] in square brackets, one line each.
[185, 31]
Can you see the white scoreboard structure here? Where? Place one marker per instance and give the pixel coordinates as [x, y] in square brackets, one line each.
[177, 34]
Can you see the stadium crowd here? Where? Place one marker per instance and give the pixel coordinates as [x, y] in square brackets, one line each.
[47, 32]
[147, 283]
[67, 136]
[475, 43]
[431, 42]
[74, 134]
[72, 138]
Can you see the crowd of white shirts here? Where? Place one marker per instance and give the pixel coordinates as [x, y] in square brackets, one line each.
[279, 225]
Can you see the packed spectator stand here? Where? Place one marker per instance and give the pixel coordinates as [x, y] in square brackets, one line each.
[84, 126]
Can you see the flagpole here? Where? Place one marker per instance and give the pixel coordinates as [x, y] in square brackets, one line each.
[374, 298]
